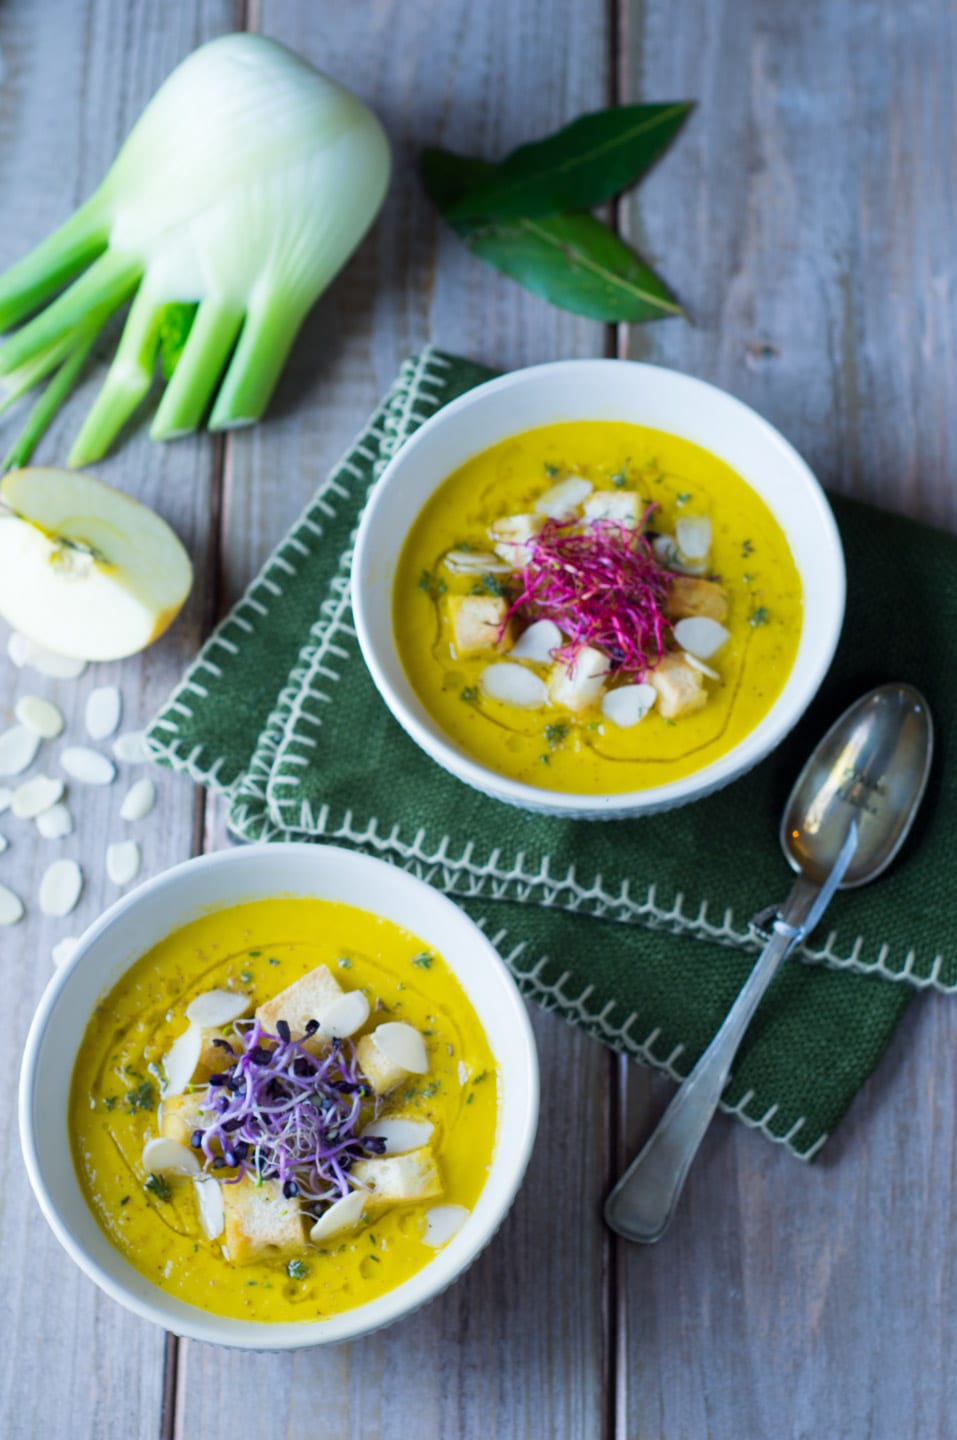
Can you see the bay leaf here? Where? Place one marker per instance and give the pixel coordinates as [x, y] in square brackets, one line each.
[581, 166]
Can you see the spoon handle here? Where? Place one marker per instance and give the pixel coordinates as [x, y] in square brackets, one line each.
[641, 1205]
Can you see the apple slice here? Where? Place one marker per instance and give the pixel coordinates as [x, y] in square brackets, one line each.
[84, 569]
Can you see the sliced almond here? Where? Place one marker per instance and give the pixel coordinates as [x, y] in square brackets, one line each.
[538, 642]
[41, 716]
[4, 842]
[442, 1222]
[138, 801]
[36, 795]
[123, 860]
[179, 1063]
[475, 562]
[6, 798]
[130, 747]
[693, 534]
[344, 1214]
[344, 1016]
[700, 666]
[403, 1045]
[170, 1157]
[628, 705]
[59, 667]
[54, 823]
[209, 1204]
[87, 766]
[104, 707]
[400, 1135]
[215, 1008]
[60, 887]
[18, 748]
[562, 501]
[701, 635]
[11, 907]
[514, 685]
[63, 950]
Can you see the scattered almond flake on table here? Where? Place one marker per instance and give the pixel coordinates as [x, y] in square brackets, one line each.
[60, 887]
[4, 842]
[63, 950]
[130, 747]
[104, 707]
[138, 801]
[35, 796]
[90, 767]
[59, 667]
[123, 861]
[11, 907]
[54, 823]
[6, 798]
[41, 716]
[18, 748]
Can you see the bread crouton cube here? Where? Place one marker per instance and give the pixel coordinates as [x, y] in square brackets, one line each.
[213, 1057]
[578, 682]
[679, 685]
[688, 596]
[180, 1116]
[392, 1179]
[261, 1223]
[476, 622]
[382, 1073]
[621, 505]
[510, 534]
[300, 1002]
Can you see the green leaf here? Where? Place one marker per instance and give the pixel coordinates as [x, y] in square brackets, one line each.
[577, 263]
[450, 177]
[580, 166]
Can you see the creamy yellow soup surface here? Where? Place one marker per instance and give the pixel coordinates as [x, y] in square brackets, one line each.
[583, 752]
[258, 949]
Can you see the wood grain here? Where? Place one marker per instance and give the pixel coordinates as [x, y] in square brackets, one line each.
[805, 218]
[75, 77]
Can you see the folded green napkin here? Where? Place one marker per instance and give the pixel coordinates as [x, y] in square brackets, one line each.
[636, 930]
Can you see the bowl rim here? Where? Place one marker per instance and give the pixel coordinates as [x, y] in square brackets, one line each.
[190, 1321]
[750, 750]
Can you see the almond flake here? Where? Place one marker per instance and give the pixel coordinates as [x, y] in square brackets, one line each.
[60, 887]
[130, 747]
[103, 710]
[216, 1007]
[400, 1135]
[87, 766]
[123, 861]
[693, 533]
[209, 1203]
[164, 1155]
[6, 798]
[63, 950]
[344, 1214]
[628, 705]
[138, 801]
[41, 716]
[563, 499]
[345, 1015]
[179, 1064]
[18, 748]
[538, 642]
[701, 635]
[403, 1045]
[59, 667]
[442, 1222]
[35, 796]
[11, 907]
[54, 823]
[514, 685]
[700, 666]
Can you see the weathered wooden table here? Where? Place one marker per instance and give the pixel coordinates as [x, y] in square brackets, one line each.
[807, 218]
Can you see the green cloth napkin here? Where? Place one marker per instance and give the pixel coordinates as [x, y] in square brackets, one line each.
[636, 930]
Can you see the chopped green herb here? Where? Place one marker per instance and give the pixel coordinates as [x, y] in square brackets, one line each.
[552, 470]
[109, 1102]
[158, 1185]
[429, 1090]
[142, 1098]
[371, 1238]
[255, 954]
[545, 759]
[428, 1032]
[245, 976]
[273, 960]
[423, 960]
[555, 734]
[251, 1282]
[747, 548]
[465, 545]
[761, 616]
[297, 1270]
[344, 962]
[469, 1099]
[433, 585]
[375, 1258]
[620, 480]
[470, 693]
[668, 722]
[746, 579]
[489, 585]
[125, 1200]
[683, 498]
[479, 1078]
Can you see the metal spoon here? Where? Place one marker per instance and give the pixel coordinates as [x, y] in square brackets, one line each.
[845, 820]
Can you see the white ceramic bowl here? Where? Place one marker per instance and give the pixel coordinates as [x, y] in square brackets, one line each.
[600, 390]
[162, 905]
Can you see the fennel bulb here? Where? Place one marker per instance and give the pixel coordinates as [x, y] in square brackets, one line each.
[242, 190]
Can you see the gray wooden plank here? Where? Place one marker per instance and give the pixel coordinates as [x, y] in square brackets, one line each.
[516, 1347]
[805, 217]
[75, 77]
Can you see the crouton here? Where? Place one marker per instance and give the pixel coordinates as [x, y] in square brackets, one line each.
[261, 1223]
[578, 683]
[688, 597]
[382, 1073]
[622, 505]
[213, 1057]
[476, 621]
[680, 687]
[510, 534]
[392, 1179]
[180, 1116]
[300, 1002]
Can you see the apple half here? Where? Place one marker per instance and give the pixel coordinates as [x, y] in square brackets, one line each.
[85, 570]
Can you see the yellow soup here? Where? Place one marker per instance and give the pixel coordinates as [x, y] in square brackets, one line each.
[257, 950]
[450, 604]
